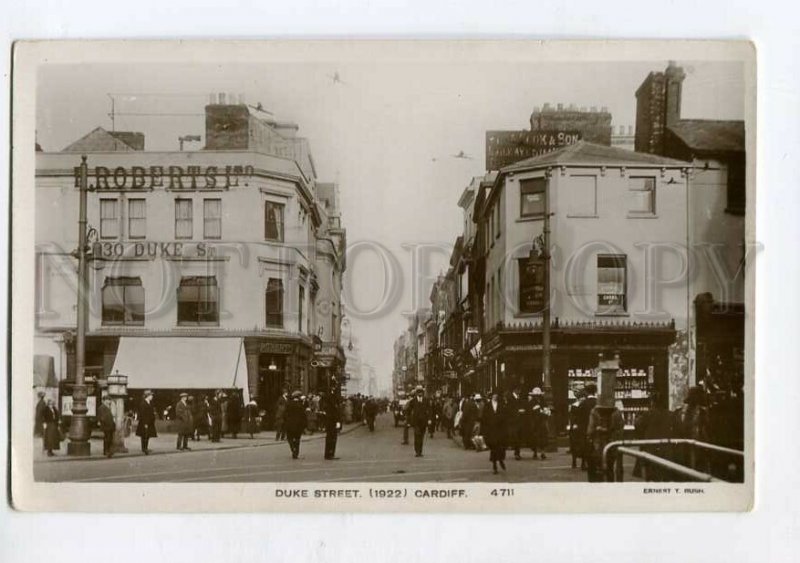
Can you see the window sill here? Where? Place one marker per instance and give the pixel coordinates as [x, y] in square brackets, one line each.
[576, 216]
[529, 219]
[642, 216]
[612, 314]
[198, 325]
[121, 325]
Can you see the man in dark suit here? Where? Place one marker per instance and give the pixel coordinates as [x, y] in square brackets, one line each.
[370, 412]
[105, 418]
[215, 412]
[41, 406]
[419, 417]
[582, 423]
[183, 416]
[333, 422]
[515, 411]
[295, 422]
[146, 428]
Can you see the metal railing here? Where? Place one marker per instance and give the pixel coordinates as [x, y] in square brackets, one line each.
[621, 448]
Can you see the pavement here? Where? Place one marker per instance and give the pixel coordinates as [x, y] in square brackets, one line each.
[165, 443]
[363, 456]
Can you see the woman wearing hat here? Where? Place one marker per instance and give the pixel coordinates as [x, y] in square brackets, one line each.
[183, 416]
[540, 416]
[146, 428]
[494, 426]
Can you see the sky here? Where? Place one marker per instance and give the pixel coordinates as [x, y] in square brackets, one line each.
[386, 133]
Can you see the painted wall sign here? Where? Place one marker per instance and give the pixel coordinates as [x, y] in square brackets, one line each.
[507, 147]
[148, 249]
[168, 177]
[276, 348]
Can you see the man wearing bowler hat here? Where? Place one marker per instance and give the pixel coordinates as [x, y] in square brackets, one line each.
[183, 416]
[419, 417]
[146, 428]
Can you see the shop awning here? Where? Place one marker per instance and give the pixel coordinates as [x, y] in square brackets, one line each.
[183, 363]
[44, 373]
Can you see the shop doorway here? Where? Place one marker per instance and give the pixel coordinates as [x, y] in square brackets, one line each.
[271, 378]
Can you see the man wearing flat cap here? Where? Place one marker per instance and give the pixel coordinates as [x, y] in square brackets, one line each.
[419, 417]
[146, 428]
[183, 416]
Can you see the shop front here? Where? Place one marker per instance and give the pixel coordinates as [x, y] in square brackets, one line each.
[514, 358]
[275, 365]
[327, 365]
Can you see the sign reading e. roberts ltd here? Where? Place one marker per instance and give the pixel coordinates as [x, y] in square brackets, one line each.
[507, 147]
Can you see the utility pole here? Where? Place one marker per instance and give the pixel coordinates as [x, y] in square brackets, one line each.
[79, 427]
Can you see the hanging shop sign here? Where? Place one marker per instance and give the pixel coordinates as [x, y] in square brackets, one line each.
[167, 177]
[507, 147]
[531, 284]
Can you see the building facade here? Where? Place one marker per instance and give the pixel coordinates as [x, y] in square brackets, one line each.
[218, 268]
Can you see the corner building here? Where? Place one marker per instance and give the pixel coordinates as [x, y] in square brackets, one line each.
[218, 268]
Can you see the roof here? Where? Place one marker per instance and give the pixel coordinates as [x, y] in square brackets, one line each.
[100, 140]
[584, 152]
[710, 135]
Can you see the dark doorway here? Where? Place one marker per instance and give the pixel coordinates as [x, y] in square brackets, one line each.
[271, 377]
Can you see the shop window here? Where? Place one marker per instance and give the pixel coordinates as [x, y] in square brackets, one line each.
[109, 218]
[198, 301]
[273, 221]
[123, 301]
[183, 218]
[581, 194]
[642, 195]
[532, 194]
[212, 218]
[275, 303]
[137, 218]
[301, 299]
[612, 284]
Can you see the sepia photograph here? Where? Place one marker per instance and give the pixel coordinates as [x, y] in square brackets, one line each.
[397, 275]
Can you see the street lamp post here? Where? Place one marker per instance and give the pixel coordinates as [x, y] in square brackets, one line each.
[79, 427]
[546, 312]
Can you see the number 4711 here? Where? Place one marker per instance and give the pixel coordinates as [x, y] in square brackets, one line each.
[502, 492]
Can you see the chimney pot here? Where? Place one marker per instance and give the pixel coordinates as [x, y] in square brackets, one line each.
[604, 109]
[560, 107]
[594, 109]
[222, 98]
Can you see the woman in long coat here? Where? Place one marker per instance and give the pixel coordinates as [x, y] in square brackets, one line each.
[494, 426]
[51, 420]
[540, 418]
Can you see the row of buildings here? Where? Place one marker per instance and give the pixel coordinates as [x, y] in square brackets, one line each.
[213, 268]
[647, 260]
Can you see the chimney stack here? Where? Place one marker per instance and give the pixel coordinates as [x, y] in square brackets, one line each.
[658, 105]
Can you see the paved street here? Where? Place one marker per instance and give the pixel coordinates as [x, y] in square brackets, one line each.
[363, 456]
